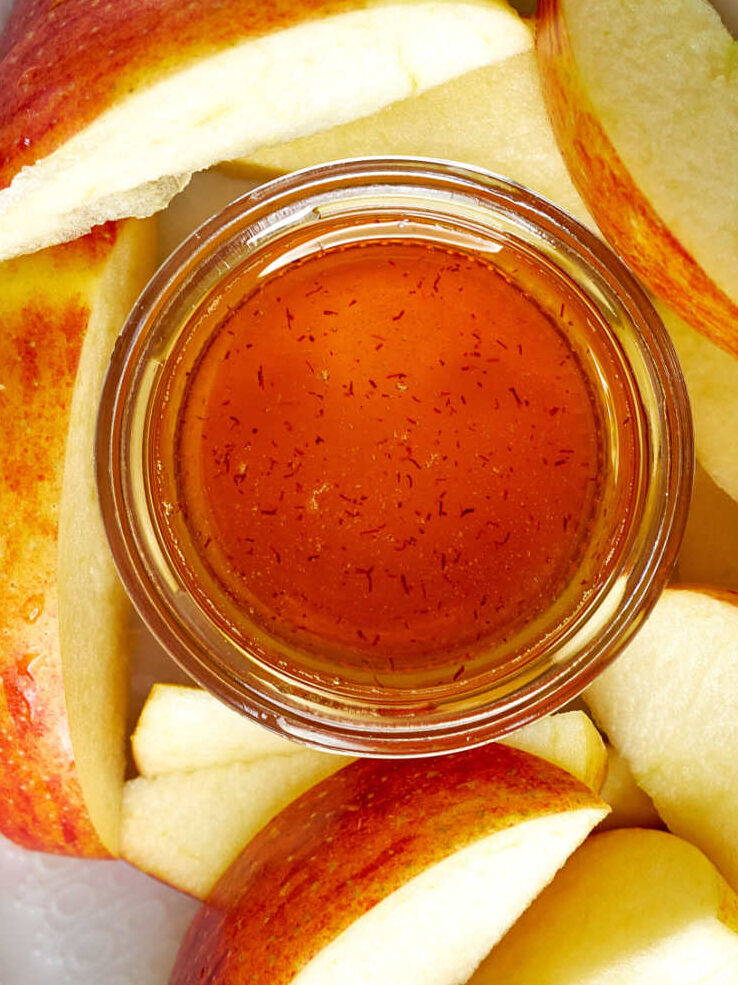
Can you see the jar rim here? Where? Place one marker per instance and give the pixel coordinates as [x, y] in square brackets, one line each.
[330, 722]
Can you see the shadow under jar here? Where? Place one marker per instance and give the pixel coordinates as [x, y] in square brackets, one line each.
[394, 456]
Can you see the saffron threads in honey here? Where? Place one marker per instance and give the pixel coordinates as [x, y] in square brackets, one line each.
[387, 450]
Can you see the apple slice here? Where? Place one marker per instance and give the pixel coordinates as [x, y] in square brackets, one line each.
[505, 129]
[136, 95]
[712, 381]
[630, 806]
[630, 906]
[184, 728]
[63, 656]
[388, 873]
[709, 551]
[668, 705]
[643, 96]
[187, 828]
[567, 739]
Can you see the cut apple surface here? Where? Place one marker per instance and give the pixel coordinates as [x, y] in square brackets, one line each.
[643, 97]
[184, 728]
[63, 656]
[505, 129]
[630, 807]
[668, 705]
[712, 381]
[396, 872]
[186, 822]
[628, 907]
[134, 96]
[187, 828]
[567, 739]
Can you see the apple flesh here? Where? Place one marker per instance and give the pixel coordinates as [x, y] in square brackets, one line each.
[712, 381]
[643, 97]
[136, 95]
[182, 729]
[668, 705]
[629, 906]
[63, 656]
[630, 807]
[390, 872]
[505, 129]
[185, 821]
[567, 739]
[186, 828]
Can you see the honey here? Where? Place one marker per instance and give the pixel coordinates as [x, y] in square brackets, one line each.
[393, 456]
[386, 454]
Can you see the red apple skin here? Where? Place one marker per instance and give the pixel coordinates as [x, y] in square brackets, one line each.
[348, 843]
[622, 212]
[41, 803]
[62, 62]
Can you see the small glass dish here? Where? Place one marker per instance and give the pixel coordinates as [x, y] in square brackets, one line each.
[646, 459]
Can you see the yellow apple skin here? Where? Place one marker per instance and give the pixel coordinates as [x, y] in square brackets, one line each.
[40, 343]
[619, 206]
[48, 300]
[351, 841]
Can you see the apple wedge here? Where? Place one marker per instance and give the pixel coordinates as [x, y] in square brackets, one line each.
[182, 729]
[712, 381]
[389, 873]
[567, 739]
[505, 129]
[187, 828]
[136, 95]
[668, 705]
[185, 728]
[630, 906]
[185, 821]
[63, 654]
[643, 97]
[630, 807]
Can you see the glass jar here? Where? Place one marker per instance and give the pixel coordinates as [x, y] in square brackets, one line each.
[400, 699]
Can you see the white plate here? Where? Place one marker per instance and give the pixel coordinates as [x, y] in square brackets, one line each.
[71, 922]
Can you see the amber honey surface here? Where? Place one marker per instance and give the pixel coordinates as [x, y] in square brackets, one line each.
[386, 449]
